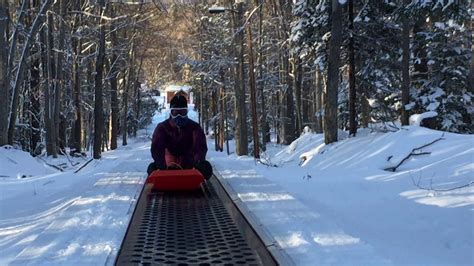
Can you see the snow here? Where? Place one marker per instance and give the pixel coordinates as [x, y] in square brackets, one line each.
[13, 162]
[323, 204]
[340, 207]
[173, 88]
[410, 106]
[416, 119]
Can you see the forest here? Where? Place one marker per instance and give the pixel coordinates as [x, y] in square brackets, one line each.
[79, 76]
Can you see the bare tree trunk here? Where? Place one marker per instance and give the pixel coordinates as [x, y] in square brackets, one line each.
[420, 67]
[4, 86]
[35, 119]
[114, 97]
[204, 108]
[283, 9]
[240, 107]
[306, 97]
[352, 87]
[51, 138]
[76, 46]
[265, 130]
[46, 88]
[125, 95]
[405, 69]
[253, 94]
[297, 82]
[318, 102]
[137, 107]
[58, 105]
[287, 112]
[98, 101]
[471, 71]
[330, 99]
[222, 118]
[136, 87]
[21, 69]
[276, 116]
[214, 120]
[35, 95]
[365, 114]
[14, 39]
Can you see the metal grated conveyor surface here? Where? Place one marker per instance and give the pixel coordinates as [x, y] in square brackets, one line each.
[184, 228]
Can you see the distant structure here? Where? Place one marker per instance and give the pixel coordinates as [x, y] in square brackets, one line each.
[170, 90]
[157, 3]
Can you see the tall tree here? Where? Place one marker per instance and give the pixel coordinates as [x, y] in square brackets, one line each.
[287, 110]
[59, 77]
[241, 134]
[330, 99]
[125, 95]
[352, 85]
[19, 77]
[98, 100]
[35, 95]
[297, 74]
[318, 102]
[114, 101]
[265, 131]
[51, 91]
[4, 88]
[405, 68]
[76, 47]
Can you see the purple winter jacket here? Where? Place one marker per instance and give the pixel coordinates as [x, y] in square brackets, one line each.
[184, 146]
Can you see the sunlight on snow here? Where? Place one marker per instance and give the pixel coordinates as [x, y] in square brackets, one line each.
[293, 240]
[307, 156]
[102, 199]
[35, 252]
[260, 196]
[464, 169]
[446, 199]
[15, 230]
[27, 240]
[337, 239]
[117, 180]
[71, 249]
[97, 249]
[62, 226]
[226, 174]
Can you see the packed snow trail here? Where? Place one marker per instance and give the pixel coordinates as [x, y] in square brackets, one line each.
[85, 215]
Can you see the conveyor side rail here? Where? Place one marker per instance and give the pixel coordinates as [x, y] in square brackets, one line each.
[189, 228]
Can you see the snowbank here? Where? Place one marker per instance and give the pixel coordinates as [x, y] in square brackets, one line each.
[19, 164]
[396, 198]
[415, 120]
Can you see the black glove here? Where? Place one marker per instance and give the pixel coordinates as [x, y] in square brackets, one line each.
[153, 166]
[174, 166]
[205, 168]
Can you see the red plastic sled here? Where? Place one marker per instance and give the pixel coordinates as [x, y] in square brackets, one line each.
[166, 180]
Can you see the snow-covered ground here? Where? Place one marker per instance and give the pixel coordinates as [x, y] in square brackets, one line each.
[67, 218]
[338, 207]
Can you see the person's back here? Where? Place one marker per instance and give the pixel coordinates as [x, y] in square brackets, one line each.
[183, 145]
[179, 142]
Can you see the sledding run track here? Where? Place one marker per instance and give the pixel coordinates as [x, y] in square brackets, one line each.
[202, 227]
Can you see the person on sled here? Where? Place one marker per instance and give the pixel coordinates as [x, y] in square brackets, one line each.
[178, 142]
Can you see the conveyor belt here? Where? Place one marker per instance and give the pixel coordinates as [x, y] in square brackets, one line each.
[188, 228]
